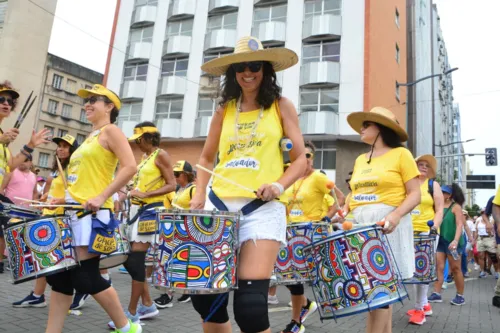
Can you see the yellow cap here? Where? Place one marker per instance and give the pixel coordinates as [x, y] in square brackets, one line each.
[67, 138]
[12, 92]
[183, 166]
[101, 90]
[139, 131]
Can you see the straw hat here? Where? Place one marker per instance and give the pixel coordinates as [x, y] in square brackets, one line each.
[432, 162]
[378, 115]
[250, 49]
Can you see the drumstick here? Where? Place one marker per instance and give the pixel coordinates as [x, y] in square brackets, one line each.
[61, 171]
[23, 116]
[331, 185]
[27, 200]
[177, 206]
[16, 124]
[225, 179]
[66, 206]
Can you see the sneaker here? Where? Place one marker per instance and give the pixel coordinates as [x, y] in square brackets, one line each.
[496, 301]
[466, 275]
[427, 310]
[294, 327]
[496, 275]
[134, 319]
[483, 275]
[1, 267]
[149, 280]
[310, 307]
[273, 300]
[147, 311]
[290, 304]
[476, 267]
[458, 300]
[418, 317]
[122, 270]
[134, 328]
[184, 299]
[445, 285]
[164, 301]
[78, 301]
[435, 298]
[449, 279]
[31, 301]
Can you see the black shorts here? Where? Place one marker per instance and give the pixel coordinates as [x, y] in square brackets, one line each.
[3, 224]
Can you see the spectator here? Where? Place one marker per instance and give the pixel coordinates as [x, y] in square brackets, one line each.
[40, 186]
[20, 183]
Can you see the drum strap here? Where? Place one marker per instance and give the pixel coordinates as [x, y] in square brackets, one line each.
[245, 210]
[141, 210]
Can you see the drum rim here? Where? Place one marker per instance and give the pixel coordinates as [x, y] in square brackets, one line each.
[196, 212]
[313, 223]
[340, 234]
[28, 221]
[54, 269]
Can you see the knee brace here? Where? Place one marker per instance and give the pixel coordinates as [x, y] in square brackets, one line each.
[212, 308]
[296, 289]
[250, 305]
[136, 266]
[87, 278]
[493, 258]
[61, 282]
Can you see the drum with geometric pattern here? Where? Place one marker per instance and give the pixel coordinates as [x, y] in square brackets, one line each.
[39, 248]
[353, 271]
[196, 251]
[425, 260]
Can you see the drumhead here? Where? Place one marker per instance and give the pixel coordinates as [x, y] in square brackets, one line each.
[193, 212]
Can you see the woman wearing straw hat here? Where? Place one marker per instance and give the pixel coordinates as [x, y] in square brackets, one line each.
[246, 130]
[385, 186]
[429, 209]
[91, 184]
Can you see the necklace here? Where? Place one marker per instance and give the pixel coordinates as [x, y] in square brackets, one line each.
[242, 149]
[143, 163]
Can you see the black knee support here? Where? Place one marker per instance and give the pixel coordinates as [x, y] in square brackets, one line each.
[212, 308]
[61, 282]
[493, 258]
[136, 266]
[87, 278]
[250, 305]
[296, 289]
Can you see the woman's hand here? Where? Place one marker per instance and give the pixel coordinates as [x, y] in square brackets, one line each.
[9, 136]
[391, 222]
[44, 197]
[57, 201]
[453, 245]
[198, 201]
[138, 194]
[40, 137]
[94, 204]
[268, 192]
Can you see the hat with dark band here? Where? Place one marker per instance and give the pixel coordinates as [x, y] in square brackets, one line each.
[378, 115]
[14, 94]
[183, 166]
[69, 139]
[140, 131]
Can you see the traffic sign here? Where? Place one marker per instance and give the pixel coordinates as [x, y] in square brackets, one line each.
[481, 182]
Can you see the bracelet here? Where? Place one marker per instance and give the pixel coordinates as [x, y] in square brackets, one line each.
[279, 187]
[27, 155]
[28, 149]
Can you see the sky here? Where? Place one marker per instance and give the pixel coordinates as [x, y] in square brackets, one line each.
[82, 29]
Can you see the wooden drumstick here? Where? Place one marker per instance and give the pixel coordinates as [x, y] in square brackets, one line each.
[225, 179]
[66, 206]
[331, 186]
[176, 206]
[27, 200]
[61, 171]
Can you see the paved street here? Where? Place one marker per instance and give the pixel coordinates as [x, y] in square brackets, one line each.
[478, 315]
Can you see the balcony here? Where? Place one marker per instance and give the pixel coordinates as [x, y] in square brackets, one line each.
[321, 73]
[182, 9]
[133, 90]
[270, 32]
[220, 40]
[143, 16]
[169, 128]
[268, 2]
[175, 46]
[172, 86]
[322, 122]
[138, 52]
[201, 126]
[217, 6]
[127, 127]
[321, 26]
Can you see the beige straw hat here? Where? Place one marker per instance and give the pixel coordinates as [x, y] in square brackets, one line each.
[250, 49]
[432, 162]
[378, 115]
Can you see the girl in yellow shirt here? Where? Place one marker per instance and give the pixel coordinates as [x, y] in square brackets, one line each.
[385, 185]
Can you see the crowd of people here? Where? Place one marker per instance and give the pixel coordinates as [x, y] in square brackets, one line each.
[101, 176]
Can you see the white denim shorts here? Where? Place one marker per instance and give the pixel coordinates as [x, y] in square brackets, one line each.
[267, 222]
[132, 234]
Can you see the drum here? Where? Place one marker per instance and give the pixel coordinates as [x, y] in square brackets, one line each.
[425, 260]
[196, 251]
[353, 272]
[39, 248]
[150, 255]
[120, 255]
[291, 266]
[19, 213]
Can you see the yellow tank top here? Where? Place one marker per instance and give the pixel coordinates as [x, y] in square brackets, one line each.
[182, 197]
[167, 200]
[4, 160]
[249, 155]
[147, 174]
[424, 212]
[56, 191]
[91, 170]
[328, 202]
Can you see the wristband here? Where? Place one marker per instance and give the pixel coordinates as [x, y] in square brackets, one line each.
[326, 219]
[27, 155]
[279, 187]
[28, 149]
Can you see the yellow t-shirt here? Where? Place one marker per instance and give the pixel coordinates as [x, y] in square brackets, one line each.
[145, 180]
[328, 202]
[4, 160]
[167, 201]
[496, 200]
[305, 198]
[383, 180]
[182, 197]
[56, 191]
[256, 158]
[424, 212]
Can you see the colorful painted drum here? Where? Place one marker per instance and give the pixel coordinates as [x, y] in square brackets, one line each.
[39, 248]
[196, 251]
[291, 266]
[19, 213]
[425, 260]
[120, 255]
[150, 255]
[353, 272]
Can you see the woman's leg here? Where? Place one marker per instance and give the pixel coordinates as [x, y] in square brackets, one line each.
[457, 274]
[58, 310]
[440, 264]
[482, 260]
[298, 301]
[40, 285]
[379, 321]
[135, 265]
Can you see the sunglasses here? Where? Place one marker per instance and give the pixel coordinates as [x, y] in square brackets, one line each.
[367, 124]
[177, 174]
[253, 66]
[9, 100]
[309, 156]
[93, 99]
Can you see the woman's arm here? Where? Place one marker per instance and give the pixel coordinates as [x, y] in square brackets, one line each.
[459, 221]
[37, 138]
[164, 163]
[5, 182]
[340, 196]
[438, 204]
[46, 188]
[411, 201]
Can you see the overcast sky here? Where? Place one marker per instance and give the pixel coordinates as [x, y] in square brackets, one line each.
[469, 30]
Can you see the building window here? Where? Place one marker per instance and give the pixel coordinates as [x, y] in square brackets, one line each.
[210, 56]
[322, 51]
[71, 86]
[43, 160]
[88, 87]
[83, 116]
[179, 28]
[320, 7]
[62, 133]
[141, 35]
[51, 129]
[80, 138]
[52, 106]
[57, 81]
[397, 53]
[225, 21]
[397, 91]
[130, 112]
[315, 100]
[145, 3]
[269, 14]
[66, 110]
[325, 156]
[397, 18]
[174, 67]
[206, 106]
[135, 72]
[169, 109]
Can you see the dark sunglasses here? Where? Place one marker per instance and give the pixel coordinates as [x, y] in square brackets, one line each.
[93, 99]
[253, 66]
[9, 100]
[367, 124]
[309, 156]
[177, 174]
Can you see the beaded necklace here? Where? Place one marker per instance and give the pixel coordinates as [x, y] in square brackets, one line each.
[242, 149]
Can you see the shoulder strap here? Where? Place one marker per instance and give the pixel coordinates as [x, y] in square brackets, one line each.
[191, 192]
[431, 188]
[278, 111]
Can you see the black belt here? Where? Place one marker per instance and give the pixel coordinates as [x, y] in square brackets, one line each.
[486, 236]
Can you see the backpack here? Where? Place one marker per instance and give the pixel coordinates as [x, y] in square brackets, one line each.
[431, 188]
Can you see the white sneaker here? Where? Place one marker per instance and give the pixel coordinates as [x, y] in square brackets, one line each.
[445, 285]
[476, 267]
[272, 299]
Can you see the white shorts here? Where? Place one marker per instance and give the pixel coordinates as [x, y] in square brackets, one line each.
[132, 234]
[267, 222]
[82, 227]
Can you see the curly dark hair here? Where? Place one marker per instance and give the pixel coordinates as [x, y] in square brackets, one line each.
[154, 138]
[8, 85]
[457, 194]
[269, 90]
